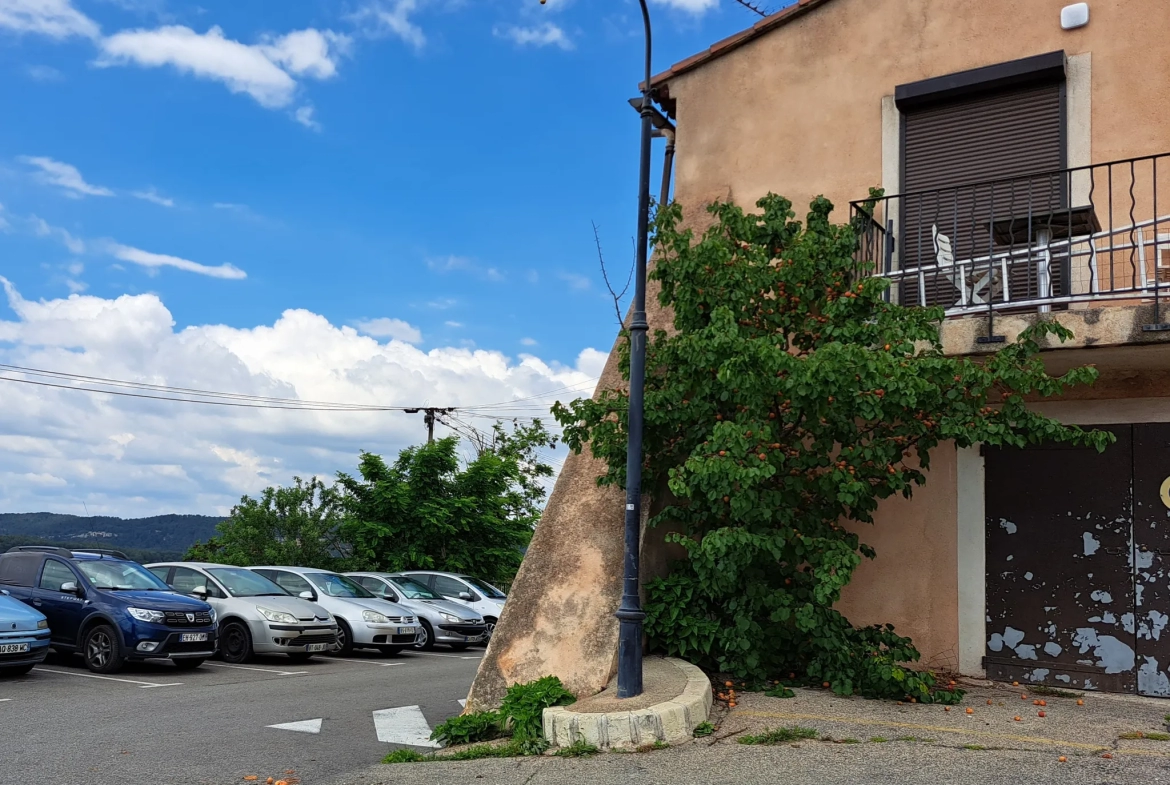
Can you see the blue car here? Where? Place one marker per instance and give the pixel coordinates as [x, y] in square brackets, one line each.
[109, 609]
[24, 636]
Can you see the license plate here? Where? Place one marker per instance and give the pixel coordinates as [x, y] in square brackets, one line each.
[315, 647]
[192, 637]
[13, 648]
[405, 631]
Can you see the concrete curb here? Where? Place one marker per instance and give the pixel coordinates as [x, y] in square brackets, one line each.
[668, 722]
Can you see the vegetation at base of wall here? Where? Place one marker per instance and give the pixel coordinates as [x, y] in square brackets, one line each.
[578, 749]
[791, 398]
[520, 717]
[1053, 692]
[779, 735]
[703, 729]
[405, 756]
[428, 510]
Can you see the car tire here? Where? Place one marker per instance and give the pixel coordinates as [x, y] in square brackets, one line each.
[235, 642]
[428, 641]
[188, 663]
[18, 670]
[344, 638]
[458, 646]
[490, 625]
[300, 657]
[102, 649]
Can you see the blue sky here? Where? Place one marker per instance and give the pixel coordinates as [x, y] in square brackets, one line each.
[265, 176]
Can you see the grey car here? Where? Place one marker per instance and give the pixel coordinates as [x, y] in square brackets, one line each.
[255, 615]
[442, 621]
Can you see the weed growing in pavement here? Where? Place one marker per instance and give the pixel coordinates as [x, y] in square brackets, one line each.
[912, 738]
[850, 741]
[879, 740]
[703, 729]
[578, 749]
[469, 728]
[780, 691]
[658, 745]
[524, 704]
[1158, 736]
[1052, 692]
[404, 756]
[780, 735]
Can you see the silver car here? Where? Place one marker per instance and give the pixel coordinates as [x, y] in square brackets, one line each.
[442, 622]
[255, 615]
[363, 620]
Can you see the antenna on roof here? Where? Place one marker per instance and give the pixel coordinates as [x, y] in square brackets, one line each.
[752, 7]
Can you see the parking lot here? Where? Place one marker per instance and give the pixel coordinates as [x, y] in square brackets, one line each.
[152, 724]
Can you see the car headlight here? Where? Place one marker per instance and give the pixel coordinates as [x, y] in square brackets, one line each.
[43, 624]
[212, 614]
[374, 617]
[449, 617]
[143, 614]
[276, 616]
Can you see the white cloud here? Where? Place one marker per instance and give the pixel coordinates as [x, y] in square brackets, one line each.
[64, 176]
[53, 18]
[43, 73]
[151, 195]
[308, 52]
[691, 6]
[121, 456]
[153, 261]
[42, 228]
[546, 34]
[576, 281]
[395, 329]
[528, 342]
[304, 116]
[453, 263]
[379, 19]
[453, 324]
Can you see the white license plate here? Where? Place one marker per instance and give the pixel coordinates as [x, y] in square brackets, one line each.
[192, 637]
[13, 648]
[312, 647]
[405, 631]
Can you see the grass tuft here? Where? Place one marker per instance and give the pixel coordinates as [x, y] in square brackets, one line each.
[703, 729]
[780, 735]
[578, 749]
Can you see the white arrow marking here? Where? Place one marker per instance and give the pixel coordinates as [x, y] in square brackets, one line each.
[405, 725]
[301, 726]
[463, 702]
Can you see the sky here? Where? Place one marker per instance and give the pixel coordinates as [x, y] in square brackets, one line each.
[383, 202]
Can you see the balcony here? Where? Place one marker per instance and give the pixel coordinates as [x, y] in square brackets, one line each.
[1063, 240]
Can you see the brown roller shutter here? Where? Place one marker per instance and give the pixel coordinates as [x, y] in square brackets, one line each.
[954, 154]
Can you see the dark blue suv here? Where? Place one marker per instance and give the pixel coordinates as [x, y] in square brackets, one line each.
[108, 608]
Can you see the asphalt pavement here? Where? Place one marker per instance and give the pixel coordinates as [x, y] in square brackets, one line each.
[152, 724]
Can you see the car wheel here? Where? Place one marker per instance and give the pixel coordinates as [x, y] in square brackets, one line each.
[427, 641]
[188, 664]
[102, 650]
[235, 642]
[19, 670]
[490, 624]
[300, 657]
[344, 638]
[390, 651]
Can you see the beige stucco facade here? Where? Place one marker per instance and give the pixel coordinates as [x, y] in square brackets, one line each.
[804, 106]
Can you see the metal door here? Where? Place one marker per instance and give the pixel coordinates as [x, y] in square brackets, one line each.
[1151, 557]
[1059, 577]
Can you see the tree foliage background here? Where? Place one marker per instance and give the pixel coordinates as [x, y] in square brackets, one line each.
[791, 397]
[426, 510]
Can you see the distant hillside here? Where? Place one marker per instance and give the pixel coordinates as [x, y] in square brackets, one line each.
[161, 533]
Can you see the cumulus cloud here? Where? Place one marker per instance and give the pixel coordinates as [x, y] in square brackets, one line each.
[381, 19]
[60, 449]
[305, 116]
[384, 327]
[308, 52]
[53, 18]
[546, 34]
[528, 342]
[151, 195]
[154, 261]
[64, 176]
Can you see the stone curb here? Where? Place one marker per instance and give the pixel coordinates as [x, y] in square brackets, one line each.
[667, 722]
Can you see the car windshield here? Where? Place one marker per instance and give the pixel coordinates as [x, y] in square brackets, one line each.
[485, 588]
[122, 575]
[245, 583]
[337, 585]
[415, 590]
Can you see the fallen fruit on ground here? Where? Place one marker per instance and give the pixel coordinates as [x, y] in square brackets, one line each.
[946, 708]
[250, 778]
[1107, 756]
[970, 711]
[988, 701]
[1043, 703]
[1017, 718]
[1062, 759]
[1040, 714]
[1080, 702]
[269, 781]
[1015, 684]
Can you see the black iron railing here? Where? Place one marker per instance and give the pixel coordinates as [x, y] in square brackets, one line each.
[1046, 241]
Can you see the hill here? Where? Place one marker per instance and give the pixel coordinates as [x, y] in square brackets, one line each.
[159, 534]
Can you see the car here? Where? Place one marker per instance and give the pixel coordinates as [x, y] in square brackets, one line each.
[24, 636]
[107, 608]
[465, 590]
[363, 620]
[255, 615]
[442, 621]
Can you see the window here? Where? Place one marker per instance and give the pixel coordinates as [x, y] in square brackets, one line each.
[449, 587]
[186, 581]
[19, 569]
[289, 581]
[486, 588]
[160, 572]
[55, 575]
[415, 590]
[121, 575]
[333, 585]
[245, 583]
[376, 587]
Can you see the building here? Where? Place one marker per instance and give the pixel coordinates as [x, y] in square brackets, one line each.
[1025, 161]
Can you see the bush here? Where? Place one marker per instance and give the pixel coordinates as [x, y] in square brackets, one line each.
[524, 704]
[468, 728]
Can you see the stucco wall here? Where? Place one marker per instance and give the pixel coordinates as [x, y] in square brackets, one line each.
[799, 110]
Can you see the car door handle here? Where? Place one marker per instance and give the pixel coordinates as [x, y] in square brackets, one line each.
[37, 603]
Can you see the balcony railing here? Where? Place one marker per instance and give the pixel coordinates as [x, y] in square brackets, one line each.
[1049, 241]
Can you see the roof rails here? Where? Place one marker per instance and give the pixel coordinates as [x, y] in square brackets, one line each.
[103, 552]
[53, 549]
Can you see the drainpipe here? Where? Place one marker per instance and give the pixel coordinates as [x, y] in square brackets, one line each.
[667, 164]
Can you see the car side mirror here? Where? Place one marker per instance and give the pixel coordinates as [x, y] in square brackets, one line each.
[201, 592]
[465, 595]
[391, 596]
[307, 595]
[69, 587]
[5, 592]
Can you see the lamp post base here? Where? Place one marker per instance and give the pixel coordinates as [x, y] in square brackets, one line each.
[630, 653]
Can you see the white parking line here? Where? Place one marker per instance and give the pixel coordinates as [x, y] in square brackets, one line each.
[2, 700]
[453, 656]
[366, 662]
[146, 685]
[261, 670]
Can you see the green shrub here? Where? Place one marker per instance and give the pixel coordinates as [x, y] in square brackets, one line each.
[703, 729]
[524, 704]
[578, 749]
[468, 728]
[404, 756]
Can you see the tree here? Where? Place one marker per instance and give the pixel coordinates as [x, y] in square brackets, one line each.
[295, 525]
[427, 512]
[790, 398]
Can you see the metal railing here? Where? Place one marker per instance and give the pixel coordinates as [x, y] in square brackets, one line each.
[1052, 240]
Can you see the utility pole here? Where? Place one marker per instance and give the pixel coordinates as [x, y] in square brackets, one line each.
[429, 413]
